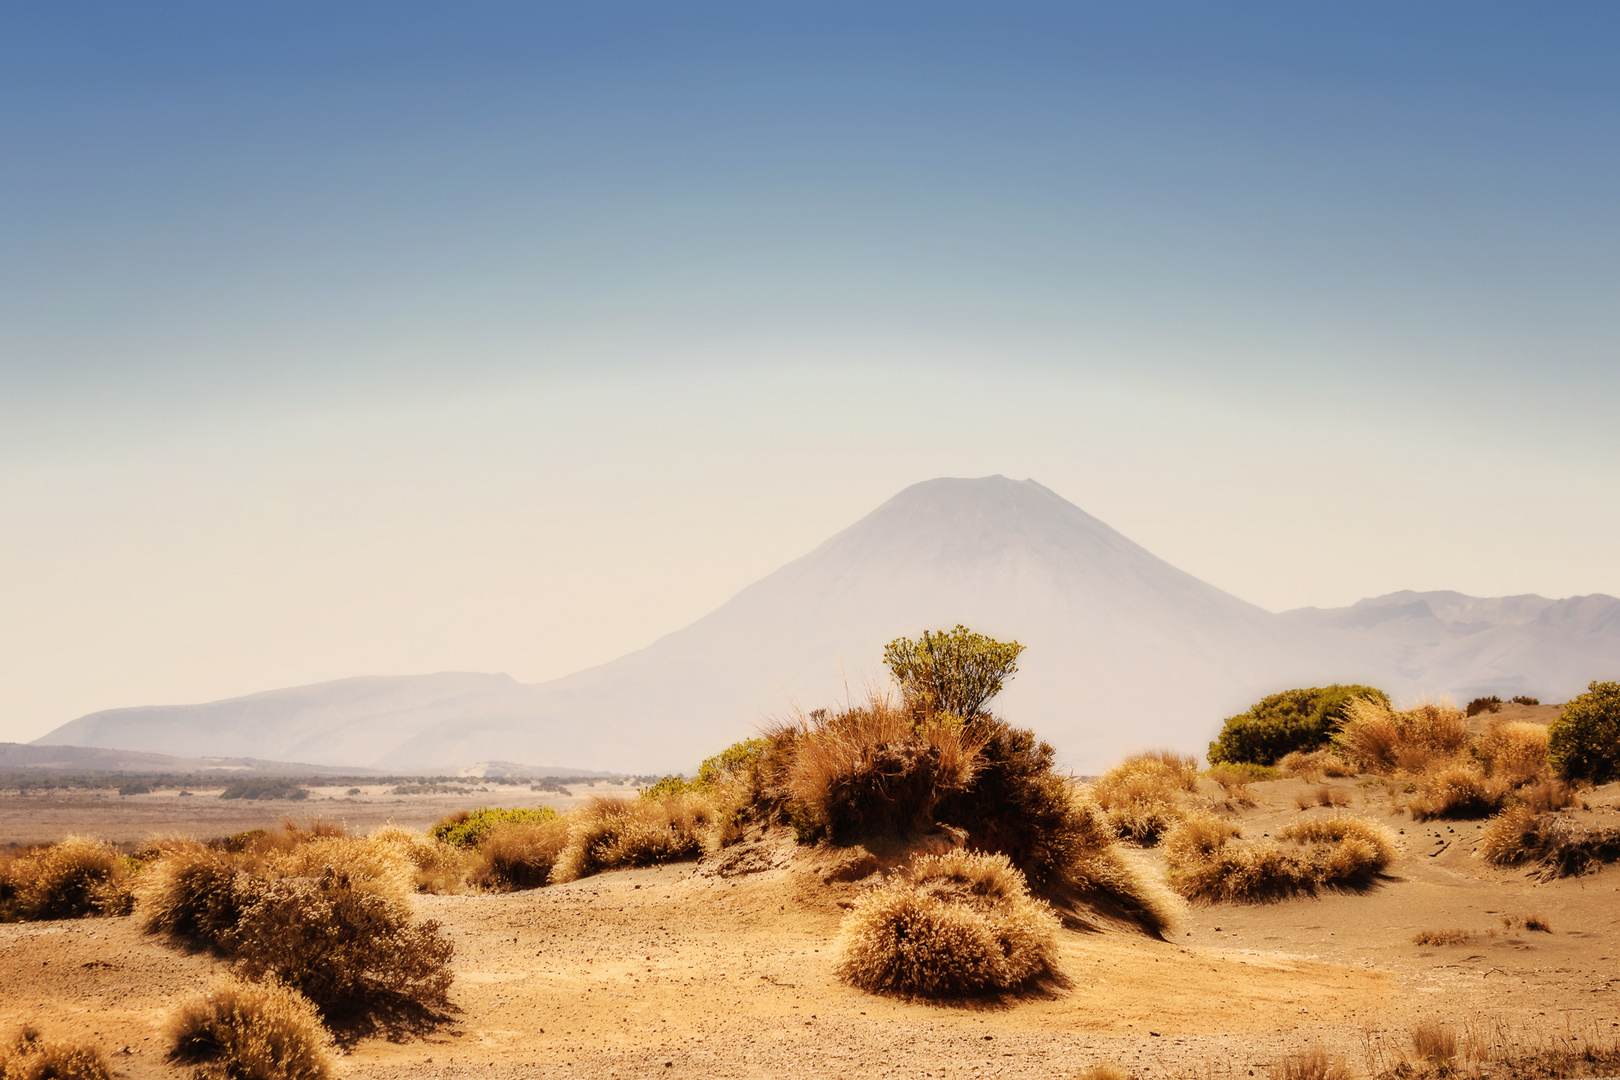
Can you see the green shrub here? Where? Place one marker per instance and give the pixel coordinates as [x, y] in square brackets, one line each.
[951, 671]
[465, 828]
[951, 925]
[1282, 723]
[238, 1031]
[666, 786]
[739, 760]
[1584, 742]
[264, 789]
[27, 1055]
[1484, 705]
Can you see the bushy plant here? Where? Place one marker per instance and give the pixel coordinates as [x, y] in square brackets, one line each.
[1521, 699]
[878, 769]
[1483, 705]
[465, 828]
[265, 789]
[1312, 765]
[1209, 861]
[439, 867]
[71, 879]
[358, 956]
[239, 1031]
[1142, 795]
[1457, 793]
[519, 854]
[611, 833]
[1377, 738]
[1584, 742]
[954, 672]
[28, 1055]
[193, 897]
[1513, 752]
[951, 925]
[1303, 719]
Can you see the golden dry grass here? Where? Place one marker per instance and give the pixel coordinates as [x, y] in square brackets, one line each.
[611, 833]
[28, 1055]
[1442, 937]
[1143, 796]
[72, 879]
[1376, 739]
[1311, 1064]
[518, 855]
[953, 925]
[1208, 860]
[1515, 752]
[1312, 765]
[238, 1031]
[1457, 793]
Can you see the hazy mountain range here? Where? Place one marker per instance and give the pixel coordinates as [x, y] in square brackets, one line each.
[1123, 651]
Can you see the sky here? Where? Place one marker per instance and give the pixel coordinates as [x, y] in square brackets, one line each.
[388, 338]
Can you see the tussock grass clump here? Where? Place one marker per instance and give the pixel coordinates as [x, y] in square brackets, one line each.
[72, 879]
[612, 833]
[28, 1055]
[438, 867]
[519, 854]
[1376, 738]
[193, 897]
[1312, 765]
[1142, 796]
[1312, 1064]
[1513, 752]
[465, 828]
[1435, 1044]
[239, 1031]
[1443, 937]
[878, 770]
[1209, 861]
[1563, 846]
[953, 925]
[1102, 1072]
[1457, 793]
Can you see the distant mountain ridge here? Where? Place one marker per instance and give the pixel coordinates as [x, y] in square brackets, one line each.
[1123, 651]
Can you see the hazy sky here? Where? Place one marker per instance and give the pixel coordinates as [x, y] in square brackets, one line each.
[386, 338]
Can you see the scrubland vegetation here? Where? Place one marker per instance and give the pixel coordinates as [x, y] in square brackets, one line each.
[247, 1031]
[28, 1055]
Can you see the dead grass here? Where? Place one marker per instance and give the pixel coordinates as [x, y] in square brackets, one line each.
[1513, 752]
[1210, 862]
[1457, 793]
[1312, 765]
[1143, 796]
[1563, 846]
[956, 925]
[877, 769]
[519, 855]
[1482, 1047]
[1443, 937]
[1435, 1044]
[1103, 1072]
[28, 1055]
[75, 878]
[1312, 1064]
[239, 1031]
[1376, 739]
[438, 867]
[612, 833]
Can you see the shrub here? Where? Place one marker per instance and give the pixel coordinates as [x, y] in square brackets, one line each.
[519, 855]
[1340, 851]
[1584, 742]
[1522, 700]
[1515, 752]
[1292, 720]
[1103, 1072]
[1377, 739]
[72, 879]
[951, 925]
[1312, 765]
[193, 897]
[1018, 807]
[610, 834]
[953, 672]
[244, 1032]
[264, 789]
[357, 955]
[666, 786]
[465, 828]
[28, 1055]
[1142, 794]
[1457, 794]
[1484, 705]
[1443, 937]
[739, 760]
[878, 770]
[438, 867]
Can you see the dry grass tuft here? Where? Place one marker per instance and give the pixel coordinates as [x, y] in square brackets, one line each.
[1103, 1072]
[28, 1055]
[954, 925]
[72, 879]
[1142, 796]
[1312, 765]
[438, 867]
[1435, 1044]
[1443, 937]
[1378, 739]
[519, 855]
[1208, 860]
[1312, 1064]
[194, 897]
[611, 833]
[1514, 752]
[242, 1032]
[877, 770]
[1457, 793]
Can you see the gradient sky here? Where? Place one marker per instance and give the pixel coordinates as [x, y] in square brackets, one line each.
[387, 338]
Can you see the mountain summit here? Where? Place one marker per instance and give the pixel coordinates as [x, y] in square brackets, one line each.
[1123, 651]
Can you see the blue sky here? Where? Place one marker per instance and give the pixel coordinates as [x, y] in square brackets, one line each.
[371, 338]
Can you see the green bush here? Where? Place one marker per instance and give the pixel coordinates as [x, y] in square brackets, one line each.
[1584, 742]
[264, 789]
[1282, 723]
[1522, 700]
[951, 671]
[668, 785]
[465, 828]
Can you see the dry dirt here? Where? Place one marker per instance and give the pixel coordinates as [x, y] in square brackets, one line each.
[673, 972]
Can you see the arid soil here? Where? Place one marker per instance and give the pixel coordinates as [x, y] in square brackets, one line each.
[683, 972]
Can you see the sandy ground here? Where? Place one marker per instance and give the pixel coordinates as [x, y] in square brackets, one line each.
[677, 973]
